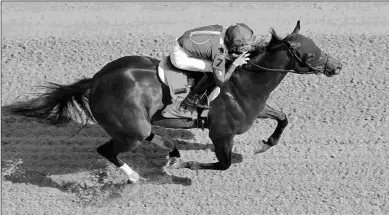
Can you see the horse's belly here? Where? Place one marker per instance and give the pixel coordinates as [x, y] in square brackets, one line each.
[245, 127]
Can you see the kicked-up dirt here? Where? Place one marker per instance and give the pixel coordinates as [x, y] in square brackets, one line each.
[333, 157]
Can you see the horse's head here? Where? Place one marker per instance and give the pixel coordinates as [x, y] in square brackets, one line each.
[299, 54]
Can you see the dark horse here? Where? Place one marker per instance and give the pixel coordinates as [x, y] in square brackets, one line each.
[126, 98]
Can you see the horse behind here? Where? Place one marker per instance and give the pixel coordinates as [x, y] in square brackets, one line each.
[126, 98]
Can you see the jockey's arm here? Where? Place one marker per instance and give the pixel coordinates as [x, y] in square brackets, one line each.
[221, 77]
[220, 74]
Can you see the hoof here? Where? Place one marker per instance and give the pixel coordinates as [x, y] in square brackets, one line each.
[193, 165]
[264, 147]
[133, 178]
[174, 163]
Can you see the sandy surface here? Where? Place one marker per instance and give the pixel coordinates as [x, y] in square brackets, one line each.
[332, 159]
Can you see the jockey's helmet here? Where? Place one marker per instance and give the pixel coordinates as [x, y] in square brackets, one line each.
[237, 37]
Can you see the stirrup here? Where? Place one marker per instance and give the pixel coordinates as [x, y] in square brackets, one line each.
[191, 100]
[175, 110]
[194, 101]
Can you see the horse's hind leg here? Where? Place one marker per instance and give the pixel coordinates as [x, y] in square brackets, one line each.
[111, 149]
[282, 120]
[114, 147]
[165, 143]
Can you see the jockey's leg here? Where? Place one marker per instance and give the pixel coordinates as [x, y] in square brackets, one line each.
[182, 60]
[198, 91]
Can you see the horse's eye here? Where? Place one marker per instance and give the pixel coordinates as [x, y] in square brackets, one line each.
[310, 56]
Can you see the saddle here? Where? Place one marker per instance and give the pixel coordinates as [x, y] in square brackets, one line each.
[179, 81]
[182, 82]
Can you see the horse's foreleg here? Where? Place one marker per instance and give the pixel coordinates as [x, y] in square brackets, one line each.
[223, 151]
[282, 120]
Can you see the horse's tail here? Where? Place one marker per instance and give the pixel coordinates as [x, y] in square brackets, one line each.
[59, 105]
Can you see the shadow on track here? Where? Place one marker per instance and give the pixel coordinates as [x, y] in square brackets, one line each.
[58, 157]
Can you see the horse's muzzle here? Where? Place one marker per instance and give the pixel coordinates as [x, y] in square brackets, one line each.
[331, 66]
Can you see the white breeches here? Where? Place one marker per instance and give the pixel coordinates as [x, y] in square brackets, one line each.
[181, 59]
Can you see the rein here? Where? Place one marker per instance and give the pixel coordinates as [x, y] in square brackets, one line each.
[272, 70]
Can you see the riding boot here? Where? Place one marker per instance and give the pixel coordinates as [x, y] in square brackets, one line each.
[175, 110]
[186, 107]
[197, 93]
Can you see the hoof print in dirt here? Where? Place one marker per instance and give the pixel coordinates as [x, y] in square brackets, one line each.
[86, 184]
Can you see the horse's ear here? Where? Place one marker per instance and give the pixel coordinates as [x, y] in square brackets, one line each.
[297, 28]
[267, 38]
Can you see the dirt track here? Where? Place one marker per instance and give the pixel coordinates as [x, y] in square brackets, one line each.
[332, 159]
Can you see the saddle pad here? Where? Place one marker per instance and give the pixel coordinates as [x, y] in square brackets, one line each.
[172, 77]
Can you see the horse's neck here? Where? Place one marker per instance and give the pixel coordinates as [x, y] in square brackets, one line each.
[253, 88]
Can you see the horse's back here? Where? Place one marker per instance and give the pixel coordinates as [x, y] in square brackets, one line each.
[128, 62]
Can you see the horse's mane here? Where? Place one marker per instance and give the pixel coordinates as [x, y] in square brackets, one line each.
[261, 45]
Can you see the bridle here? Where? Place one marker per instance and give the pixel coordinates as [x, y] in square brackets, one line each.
[293, 51]
[314, 70]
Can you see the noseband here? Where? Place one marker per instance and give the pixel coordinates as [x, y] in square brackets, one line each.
[293, 52]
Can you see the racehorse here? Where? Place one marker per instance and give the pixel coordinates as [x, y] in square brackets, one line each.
[126, 98]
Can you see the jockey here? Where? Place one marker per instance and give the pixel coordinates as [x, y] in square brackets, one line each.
[205, 49]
